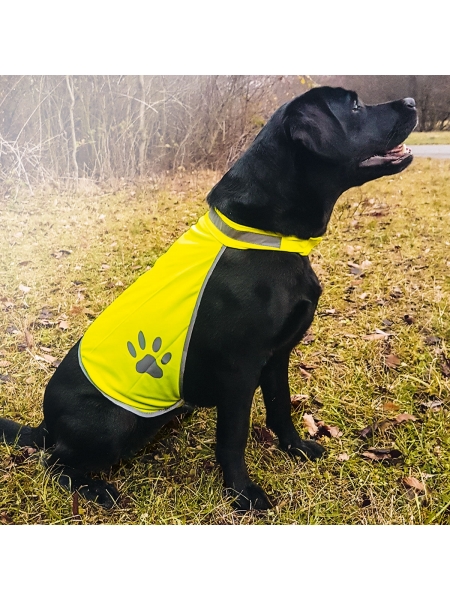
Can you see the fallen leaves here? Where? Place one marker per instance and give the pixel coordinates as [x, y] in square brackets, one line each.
[58, 254]
[432, 340]
[382, 426]
[390, 406]
[308, 338]
[413, 483]
[297, 400]
[379, 334]
[392, 361]
[343, 457]
[445, 367]
[310, 424]
[263, 435]
[434, 405]
[390, 455]
[319, 429]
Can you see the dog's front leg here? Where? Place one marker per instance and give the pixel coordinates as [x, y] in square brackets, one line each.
[275, 388]
[233, 420]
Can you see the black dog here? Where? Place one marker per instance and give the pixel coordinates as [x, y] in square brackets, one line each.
[256, 306]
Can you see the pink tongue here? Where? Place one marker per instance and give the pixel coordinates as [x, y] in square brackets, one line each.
[400, 149]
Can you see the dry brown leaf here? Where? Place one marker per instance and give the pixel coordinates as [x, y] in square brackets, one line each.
[432, 340]
[63, 325]
[308, 338]
[405, 417]
[49, 358]
[305, 374]
[390, 406]
[28, 339]
[298, 399]
[392, 361]
[327, 430]
[383, 454]
[4, 363]
[445, 367]
[412, 482]
[342, 457]
[382, 426]
[309, 367]
[366, 431]
[375, 336]
[310, 424]
[433, 405]
[263, 435]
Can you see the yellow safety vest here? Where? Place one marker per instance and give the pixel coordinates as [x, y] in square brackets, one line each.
[135, 351]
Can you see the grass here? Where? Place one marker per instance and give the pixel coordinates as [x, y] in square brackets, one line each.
[428, 137]
[400, 226]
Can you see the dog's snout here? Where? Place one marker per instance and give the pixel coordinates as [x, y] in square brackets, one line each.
[409, 102]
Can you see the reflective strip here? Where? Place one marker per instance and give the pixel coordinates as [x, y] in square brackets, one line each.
[248, 237]
[193, 319]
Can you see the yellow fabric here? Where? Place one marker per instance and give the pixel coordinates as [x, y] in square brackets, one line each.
[135, 351]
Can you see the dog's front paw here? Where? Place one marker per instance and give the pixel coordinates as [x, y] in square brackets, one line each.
[100, 492]
[252, 497]
[305, 449]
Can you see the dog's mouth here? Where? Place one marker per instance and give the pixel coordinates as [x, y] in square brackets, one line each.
[395, 156]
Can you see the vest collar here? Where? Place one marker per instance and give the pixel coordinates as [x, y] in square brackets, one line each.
[257, 238]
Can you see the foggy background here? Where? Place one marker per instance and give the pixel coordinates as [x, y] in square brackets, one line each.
[60, 129]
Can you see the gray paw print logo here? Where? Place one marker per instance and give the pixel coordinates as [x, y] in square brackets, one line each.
[148, 363]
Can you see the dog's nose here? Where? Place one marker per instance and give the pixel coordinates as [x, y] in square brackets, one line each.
[409, 102]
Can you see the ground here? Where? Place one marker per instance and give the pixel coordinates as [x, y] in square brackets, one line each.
[429, 137]
[377, 350]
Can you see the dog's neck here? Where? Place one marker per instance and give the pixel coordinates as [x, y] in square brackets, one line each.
[274, 190]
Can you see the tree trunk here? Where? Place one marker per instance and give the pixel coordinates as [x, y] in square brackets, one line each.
[69, 81]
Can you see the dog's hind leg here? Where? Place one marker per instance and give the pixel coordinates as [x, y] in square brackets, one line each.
[275, 388]
[73, 479]
[15, 434]
[95, 442]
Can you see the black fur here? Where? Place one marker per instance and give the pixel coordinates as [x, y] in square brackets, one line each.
[256, 306]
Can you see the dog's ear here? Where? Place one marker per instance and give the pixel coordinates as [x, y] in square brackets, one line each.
[312, 122]
[318, 132]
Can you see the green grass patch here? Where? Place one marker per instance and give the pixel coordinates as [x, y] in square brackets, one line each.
[397, 232]
[428, 137]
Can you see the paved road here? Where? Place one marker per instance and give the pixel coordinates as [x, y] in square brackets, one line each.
[431, 151]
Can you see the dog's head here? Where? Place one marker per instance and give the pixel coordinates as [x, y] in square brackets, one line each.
[337, 127]
[313, 149]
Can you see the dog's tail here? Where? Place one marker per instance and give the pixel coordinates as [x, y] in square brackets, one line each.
[15, 434]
